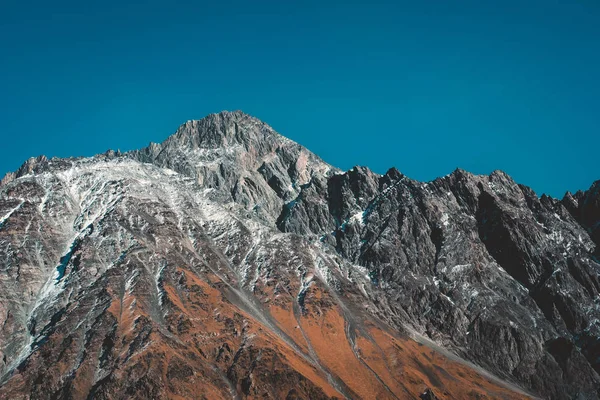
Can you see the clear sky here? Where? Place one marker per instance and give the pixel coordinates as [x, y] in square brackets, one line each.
[425, 86]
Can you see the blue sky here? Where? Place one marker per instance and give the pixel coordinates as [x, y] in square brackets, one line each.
[422, 86]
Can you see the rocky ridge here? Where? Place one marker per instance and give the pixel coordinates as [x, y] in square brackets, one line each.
[225, 261]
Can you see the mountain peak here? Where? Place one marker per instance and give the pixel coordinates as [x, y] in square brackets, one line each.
[223, 129]
[240, 157]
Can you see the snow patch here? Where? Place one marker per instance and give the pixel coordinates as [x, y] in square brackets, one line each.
[157, 282]
[358, 218]
[445, 219]
[8, 214]
[129, 285]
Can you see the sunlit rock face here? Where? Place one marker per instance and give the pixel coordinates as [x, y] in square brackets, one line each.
[230, 262]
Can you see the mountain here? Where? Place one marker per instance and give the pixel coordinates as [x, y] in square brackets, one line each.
[230, 262]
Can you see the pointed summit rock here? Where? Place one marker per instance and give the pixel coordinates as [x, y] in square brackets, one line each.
[241, 158]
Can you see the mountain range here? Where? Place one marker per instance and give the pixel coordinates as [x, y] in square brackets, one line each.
[229, 262]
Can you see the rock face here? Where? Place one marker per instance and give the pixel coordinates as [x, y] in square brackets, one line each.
[231, 262]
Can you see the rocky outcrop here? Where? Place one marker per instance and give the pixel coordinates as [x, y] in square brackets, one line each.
[229, 261]
[477, 263]
[585, 208]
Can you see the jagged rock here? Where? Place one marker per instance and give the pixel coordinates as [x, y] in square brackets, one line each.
[229, 261]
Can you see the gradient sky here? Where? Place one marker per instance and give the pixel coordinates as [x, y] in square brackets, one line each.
[423, 86]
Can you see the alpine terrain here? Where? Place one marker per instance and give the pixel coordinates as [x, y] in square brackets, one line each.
[229, 262]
